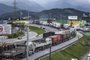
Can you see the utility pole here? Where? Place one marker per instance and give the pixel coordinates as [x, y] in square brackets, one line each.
[14, 12]
[21, 13]
[27, 49]
[50, 52]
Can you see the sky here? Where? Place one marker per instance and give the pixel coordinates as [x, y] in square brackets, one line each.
[43, 2]
[79, 4]
[46, 1]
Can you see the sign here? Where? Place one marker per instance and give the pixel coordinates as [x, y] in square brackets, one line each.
[5, 29]
[72, 17]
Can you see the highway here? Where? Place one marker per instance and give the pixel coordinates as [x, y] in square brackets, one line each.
[47, 28]
[18, 41]
[54, 48]
[34, 36]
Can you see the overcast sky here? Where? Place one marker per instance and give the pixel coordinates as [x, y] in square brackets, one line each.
[79, 4]
[43, 1]
[46, 1]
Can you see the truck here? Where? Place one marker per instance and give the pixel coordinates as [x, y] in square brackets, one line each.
[38, 45]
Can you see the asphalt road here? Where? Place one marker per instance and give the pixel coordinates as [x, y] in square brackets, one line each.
[44, 52]
[16, 40]
[54, 48]
[32, 35]
[47, 28]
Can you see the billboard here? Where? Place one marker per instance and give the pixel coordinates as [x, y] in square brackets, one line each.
[72, 17]
[5, 29]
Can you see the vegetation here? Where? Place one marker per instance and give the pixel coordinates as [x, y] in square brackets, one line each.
[37, 30]
[75, 51]
[17, 34]
[52, 13]
[14, 35]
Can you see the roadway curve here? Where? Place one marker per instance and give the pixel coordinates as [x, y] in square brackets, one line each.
[22, 40]
[47, 28]
[32, 35]
[55, 48]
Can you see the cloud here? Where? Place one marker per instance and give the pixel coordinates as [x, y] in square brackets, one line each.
[78, 4]
[43, 2]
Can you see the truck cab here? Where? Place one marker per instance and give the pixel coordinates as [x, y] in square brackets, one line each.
[31, 47]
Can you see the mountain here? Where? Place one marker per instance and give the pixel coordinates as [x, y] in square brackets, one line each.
[77, 4]
[62, 13]
[24, 5]
[20, 13]
[29, 5]
[52, 13]
[5, 8]
[65, 11]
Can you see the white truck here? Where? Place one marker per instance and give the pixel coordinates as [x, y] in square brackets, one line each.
[38, 45]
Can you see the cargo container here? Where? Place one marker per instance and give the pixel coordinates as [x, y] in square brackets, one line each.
[47, 34]
[56, 39]
[68, 34]
[64, 34]
[61, 35]
[73, 32]
[50, 38]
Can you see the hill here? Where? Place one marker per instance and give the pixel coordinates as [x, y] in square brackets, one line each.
[5, 9]
[62, 13]
[20, 13]
[52, 13]
[24, 5]
[77, 4]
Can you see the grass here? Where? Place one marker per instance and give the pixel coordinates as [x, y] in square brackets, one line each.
[75, 51]
[14, 35]
[37, 30]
